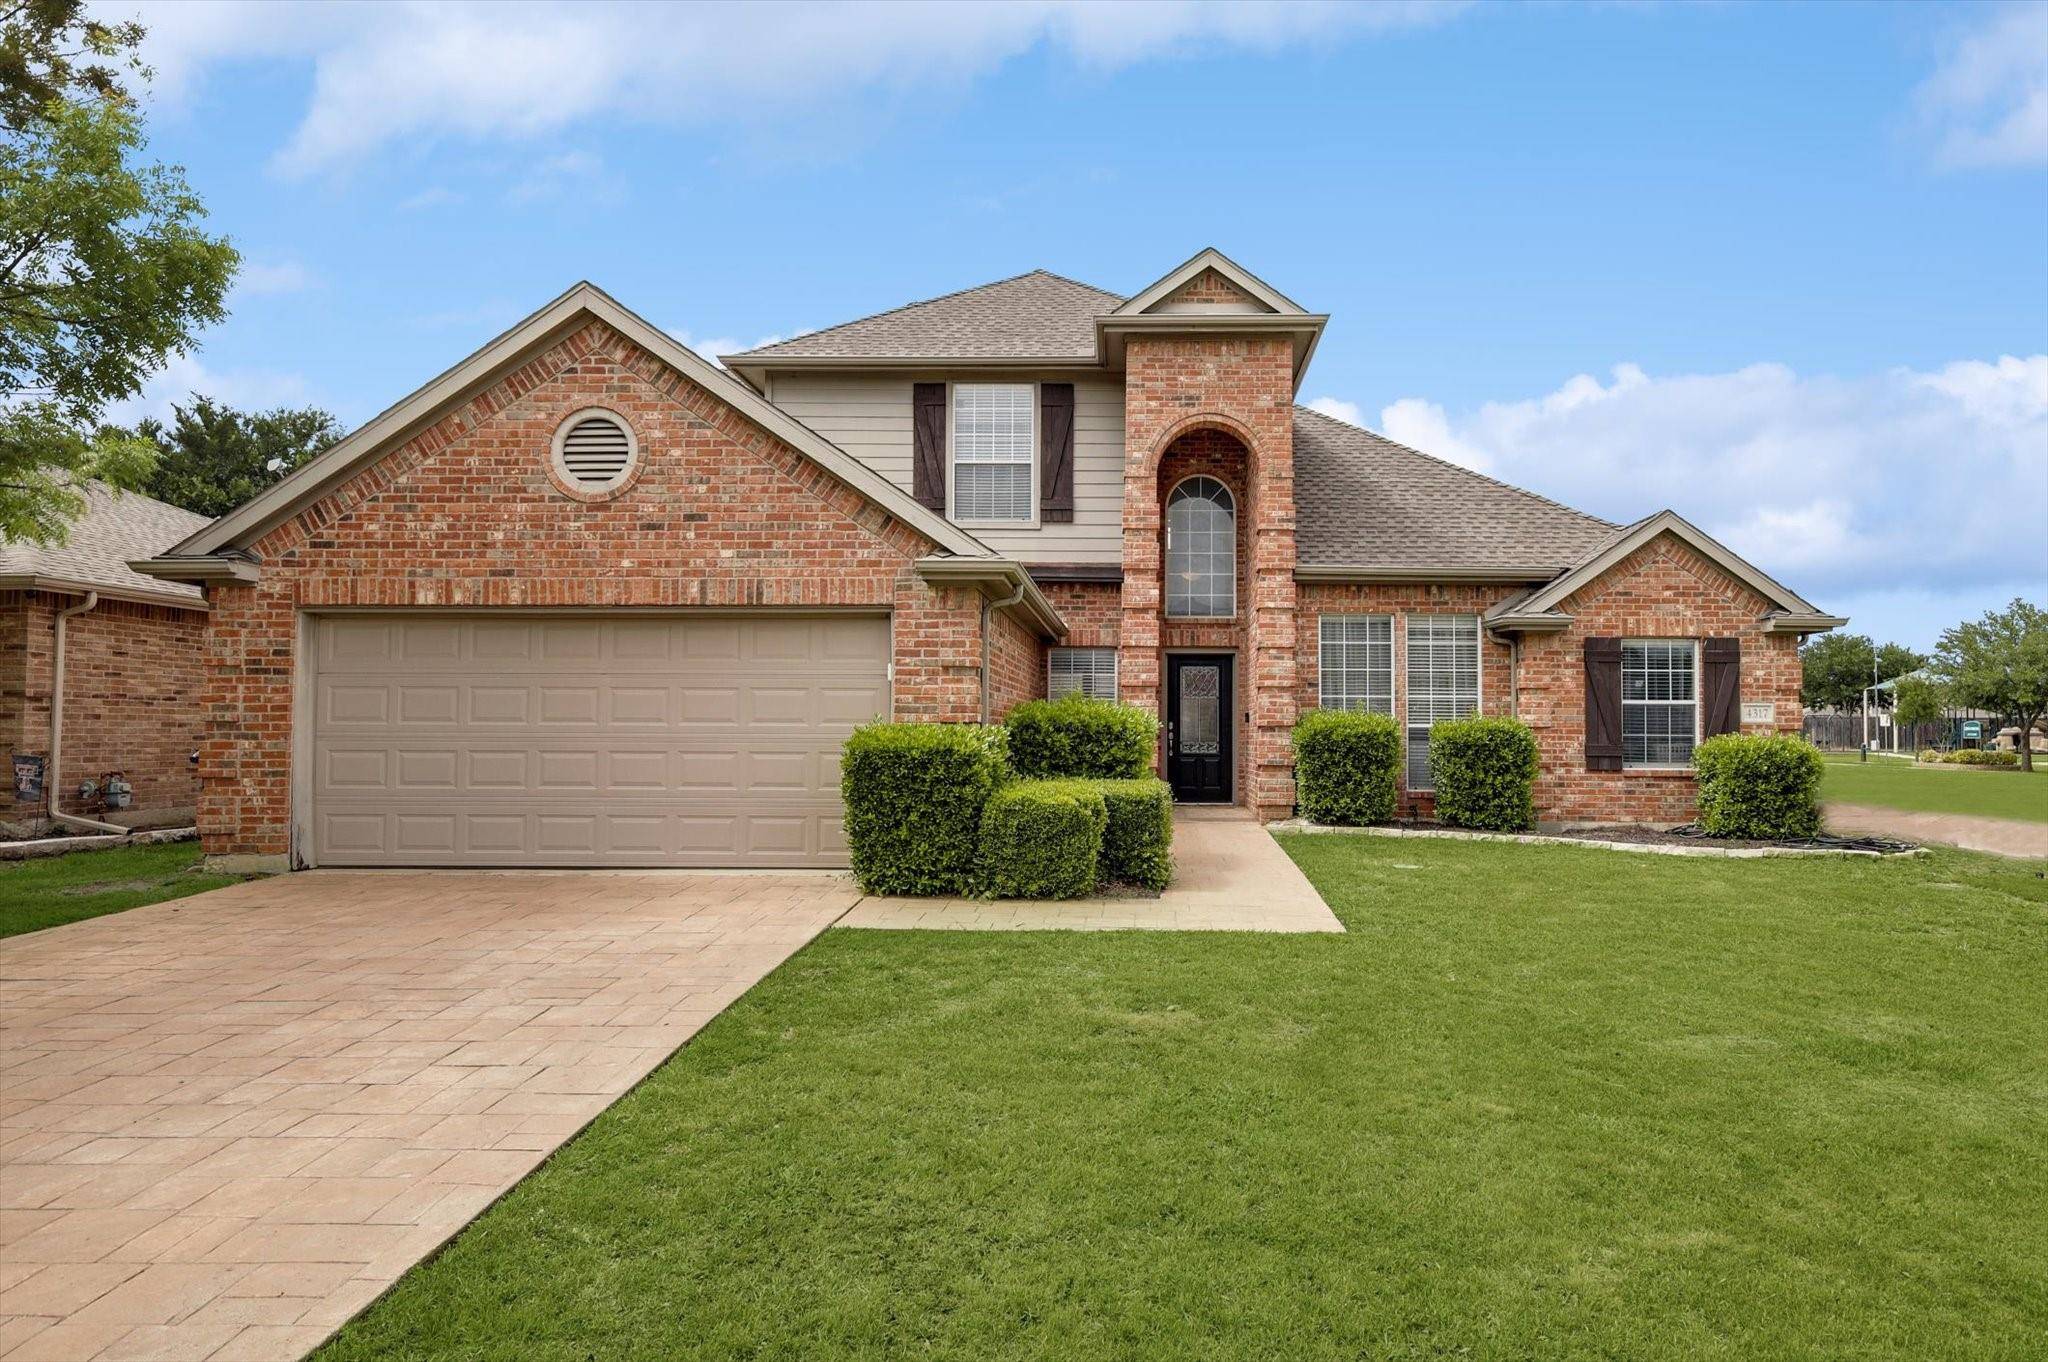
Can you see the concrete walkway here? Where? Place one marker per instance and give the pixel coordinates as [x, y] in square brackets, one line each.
[229, 1122]
[2000, 836]
[1229, 876]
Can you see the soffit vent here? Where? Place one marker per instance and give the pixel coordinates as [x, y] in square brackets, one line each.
[595, 451]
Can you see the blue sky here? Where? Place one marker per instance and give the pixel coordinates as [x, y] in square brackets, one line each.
[1784, 269]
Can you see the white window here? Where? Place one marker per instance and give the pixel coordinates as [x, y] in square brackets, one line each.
[1356, 662]
[993, 454]
[1201, 550]
[1443, 682]
[1091, 671]
[1659, 702]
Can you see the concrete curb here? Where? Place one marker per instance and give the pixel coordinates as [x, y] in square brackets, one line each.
[1538, 839]
[58, 846]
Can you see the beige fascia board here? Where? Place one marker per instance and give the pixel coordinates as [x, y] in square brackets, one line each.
[1648, 528]
[197, 570]
[483, 367]
[1209, 258]
[68, 586]
[1790, 623]
[1306, 327]
[1506, 576]
[996, 577]
[1528, 622]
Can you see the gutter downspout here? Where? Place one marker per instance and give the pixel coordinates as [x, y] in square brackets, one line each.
[56, 776]
[988, 611]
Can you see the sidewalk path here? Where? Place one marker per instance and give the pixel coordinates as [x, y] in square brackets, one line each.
[2000, 836]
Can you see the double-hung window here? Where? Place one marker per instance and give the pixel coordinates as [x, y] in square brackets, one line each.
[1443, 682]
[1660, 706]
[1090, 671]
[993, 452]
[1356, 662]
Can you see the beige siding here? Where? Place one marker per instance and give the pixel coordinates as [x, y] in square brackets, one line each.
[868, 415]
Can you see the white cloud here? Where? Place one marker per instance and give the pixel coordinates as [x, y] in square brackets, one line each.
[1898, 482]
[185, 375]
[386, 73]
[1986, 104]
[260, 279]
[1339, 408]
[433, 196]
[711, 347]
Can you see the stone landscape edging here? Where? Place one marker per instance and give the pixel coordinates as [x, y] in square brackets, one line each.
[1541, 839]
[58, 846]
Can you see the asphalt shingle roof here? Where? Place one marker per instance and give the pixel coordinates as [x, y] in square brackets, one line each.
[1039, 315]
[116, 528]
[1363, 501]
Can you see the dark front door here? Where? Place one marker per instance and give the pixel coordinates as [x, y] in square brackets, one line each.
[1198, 728]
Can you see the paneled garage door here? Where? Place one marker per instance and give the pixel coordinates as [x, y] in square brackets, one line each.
[573, 740]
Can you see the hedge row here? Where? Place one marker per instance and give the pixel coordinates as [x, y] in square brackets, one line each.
[1972, 756]
[938, 809]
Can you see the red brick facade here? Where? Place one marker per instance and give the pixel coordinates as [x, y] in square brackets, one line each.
[465, 515]
[131, 700]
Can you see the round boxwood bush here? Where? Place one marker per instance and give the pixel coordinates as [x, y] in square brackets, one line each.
[1077, 736]
[914, 794]
[1041, 839]
[1484, 770]
[1346, 766]
[1137, 842]
[1762, 785]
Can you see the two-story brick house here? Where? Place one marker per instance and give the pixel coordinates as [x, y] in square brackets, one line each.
[588, 598]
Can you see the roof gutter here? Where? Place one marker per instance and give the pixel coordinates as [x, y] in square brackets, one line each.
[172, 567]
[1532, 622]
[36, 581]
[1790, 623]
[993, 576]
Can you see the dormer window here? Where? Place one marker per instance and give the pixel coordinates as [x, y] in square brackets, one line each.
[993, 453]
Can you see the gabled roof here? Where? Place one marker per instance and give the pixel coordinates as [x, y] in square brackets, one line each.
[571, 310]
[1789, 612]
[117, 526]
[1153, 295]
[1369, 509]
[1037, 316]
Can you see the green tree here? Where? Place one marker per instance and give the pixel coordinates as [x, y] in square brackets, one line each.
[1917, 700]
[1837, 667]
[2000, 663]
[212, 458]
[104, 271]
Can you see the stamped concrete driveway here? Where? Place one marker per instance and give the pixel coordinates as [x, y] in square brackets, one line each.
[227, 1123]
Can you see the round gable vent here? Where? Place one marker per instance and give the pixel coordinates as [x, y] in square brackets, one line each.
[595, 452]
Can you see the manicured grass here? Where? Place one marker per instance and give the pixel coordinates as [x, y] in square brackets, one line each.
[50, 891]
[1986, 792]
[1540, 1102]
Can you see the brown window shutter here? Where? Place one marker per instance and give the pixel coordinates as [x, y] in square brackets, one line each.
[1721, 685]
[928, 436]
[1603, 704]
[1056, 453]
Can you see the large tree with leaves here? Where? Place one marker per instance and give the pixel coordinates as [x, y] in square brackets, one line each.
[212, 458]
[104, 269]
[2000, 663]
[1837, 667]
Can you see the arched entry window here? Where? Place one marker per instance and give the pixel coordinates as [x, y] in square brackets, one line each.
[1201, 549]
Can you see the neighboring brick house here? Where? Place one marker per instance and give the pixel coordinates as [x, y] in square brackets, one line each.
[131, 668]
[590, 599]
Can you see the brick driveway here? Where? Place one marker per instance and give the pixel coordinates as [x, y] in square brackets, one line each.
[227, 1123]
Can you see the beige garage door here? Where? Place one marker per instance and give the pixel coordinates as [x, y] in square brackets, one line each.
[575, 740]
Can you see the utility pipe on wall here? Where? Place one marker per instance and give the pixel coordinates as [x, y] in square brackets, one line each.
[55, 776]
[988, 614]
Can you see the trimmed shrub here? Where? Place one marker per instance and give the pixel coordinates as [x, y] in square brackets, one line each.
[1763, 785]
[1485, 773]
[1346, 766]
[1981, 756]
[1041, 839]
[1137, 842]
[914, 795]
[1077, 736]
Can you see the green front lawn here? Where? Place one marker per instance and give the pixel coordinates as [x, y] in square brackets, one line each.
[1986, 792]
[1539, 1102]
[50, 891]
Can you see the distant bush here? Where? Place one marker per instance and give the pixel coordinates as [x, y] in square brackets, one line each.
[1041, 839]
[1763, 785]
[1980, 756]
[1346, 766]
[914, 796]
[1077, 736]
[1484, 770]
[1137, 842]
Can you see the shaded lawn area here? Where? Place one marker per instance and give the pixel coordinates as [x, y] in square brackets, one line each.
[52, 890]
[1540, 1102]
[1980, 792]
